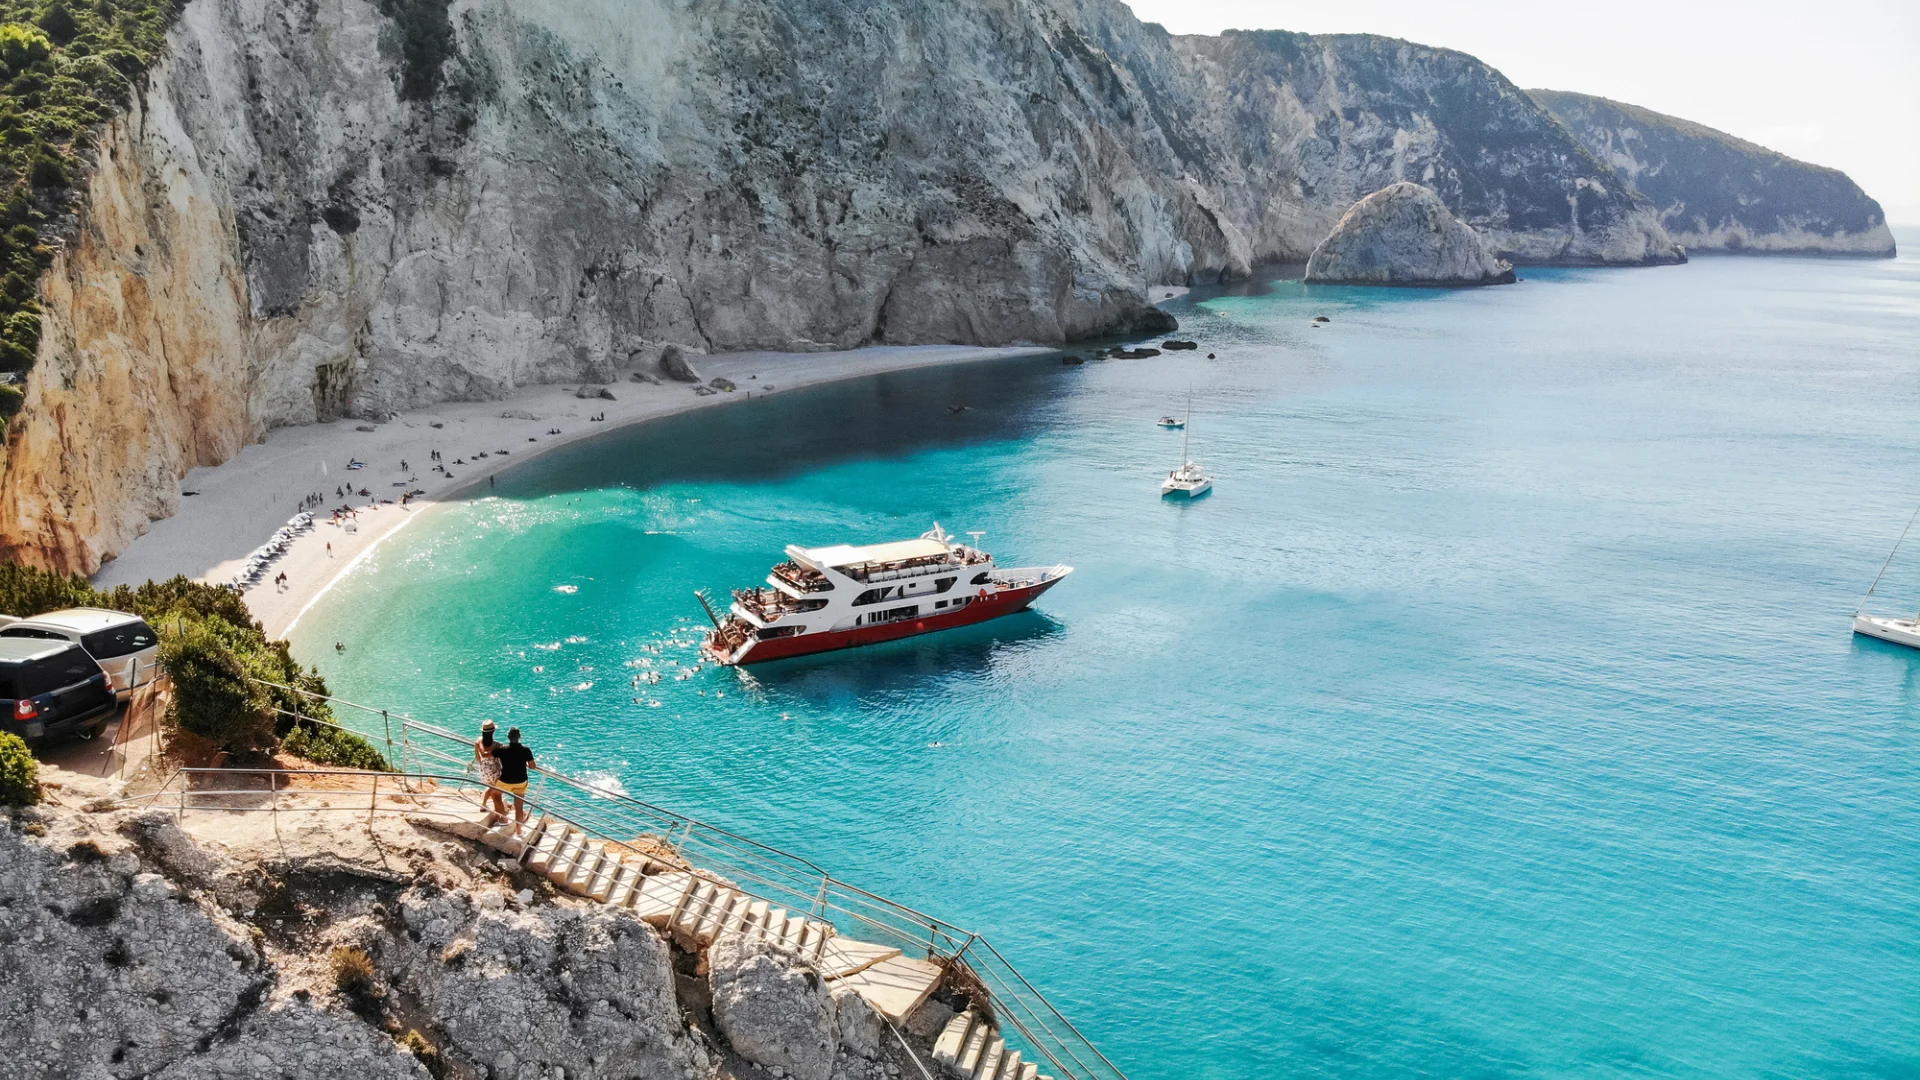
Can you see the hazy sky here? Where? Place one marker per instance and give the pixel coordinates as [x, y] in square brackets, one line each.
[1836, 82]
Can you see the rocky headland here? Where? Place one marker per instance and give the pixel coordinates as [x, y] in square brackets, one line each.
[334, 948]
[356, 208]
[1716, 192]
[1404, 235]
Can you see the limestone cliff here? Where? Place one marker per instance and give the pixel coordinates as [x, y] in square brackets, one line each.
[1317, 122]
[1719, 193]
[1404, 235]
[354, 207]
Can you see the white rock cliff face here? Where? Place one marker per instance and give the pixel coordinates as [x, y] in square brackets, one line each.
[1719, 193]
[303, 218]
[1403, 235]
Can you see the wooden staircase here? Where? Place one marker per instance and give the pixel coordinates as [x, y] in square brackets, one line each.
[970, 1049]
[696, 908]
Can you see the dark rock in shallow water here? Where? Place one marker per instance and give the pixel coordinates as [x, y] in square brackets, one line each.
[1321, 318]
[674, 365]
[1134, 354]
[1072, 361]
[1404, 235]
[1176, 345]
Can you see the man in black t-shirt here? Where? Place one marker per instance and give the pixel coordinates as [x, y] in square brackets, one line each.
[515, 760]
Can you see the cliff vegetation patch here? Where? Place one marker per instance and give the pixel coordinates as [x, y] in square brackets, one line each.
[66, 67]
[217, 655]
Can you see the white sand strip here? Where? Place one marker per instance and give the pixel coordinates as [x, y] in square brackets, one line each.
[238, 505]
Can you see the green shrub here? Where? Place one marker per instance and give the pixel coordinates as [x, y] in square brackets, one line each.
[12, 399]
[22, 46]
[25, 591]
[334, 746]
[19, 772]
[211, 695]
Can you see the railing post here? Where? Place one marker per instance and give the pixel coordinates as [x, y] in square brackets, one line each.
[388, 724]
[820, 901]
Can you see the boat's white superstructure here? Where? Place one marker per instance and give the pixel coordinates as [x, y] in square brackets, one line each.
[844, 595]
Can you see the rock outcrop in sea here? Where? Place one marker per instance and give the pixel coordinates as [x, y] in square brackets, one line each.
[1716, 192]
[1404, 235]
[359, 207]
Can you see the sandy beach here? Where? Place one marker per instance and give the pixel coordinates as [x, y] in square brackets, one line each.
[235, 507]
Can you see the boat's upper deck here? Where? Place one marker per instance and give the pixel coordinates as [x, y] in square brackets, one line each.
[886, 562]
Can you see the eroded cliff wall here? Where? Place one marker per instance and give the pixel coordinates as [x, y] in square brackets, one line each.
[355, 207]
[1719, 193]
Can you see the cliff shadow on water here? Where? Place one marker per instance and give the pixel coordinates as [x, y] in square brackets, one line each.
[771, 436]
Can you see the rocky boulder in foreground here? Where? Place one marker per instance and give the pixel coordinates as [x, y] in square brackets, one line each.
[1404, 235]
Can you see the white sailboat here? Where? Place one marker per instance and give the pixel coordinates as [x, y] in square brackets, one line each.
[1900, 631]
[1189, 479]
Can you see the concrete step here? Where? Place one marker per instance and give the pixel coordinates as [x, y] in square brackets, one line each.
[990, 1060]
[1010, 1066]
[660, 895]
[623, 886]
[586, 867]
[813, 943]
[570, 851]
[549, 846]
[896, 986]
[718, 914]
[976, 1048]
[601, 887]
[953, 1039]
[845, 956]
[753, 922]
[775, 929]
[699, 898]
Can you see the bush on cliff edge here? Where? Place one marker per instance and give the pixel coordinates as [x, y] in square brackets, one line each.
[19, 773]
[212, 646]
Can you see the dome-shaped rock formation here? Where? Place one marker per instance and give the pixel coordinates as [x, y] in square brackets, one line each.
[1404, 235]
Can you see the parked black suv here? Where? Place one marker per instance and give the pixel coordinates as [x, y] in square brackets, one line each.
[50, 690]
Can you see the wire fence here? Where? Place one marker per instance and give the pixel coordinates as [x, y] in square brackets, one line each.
[1027, 1020]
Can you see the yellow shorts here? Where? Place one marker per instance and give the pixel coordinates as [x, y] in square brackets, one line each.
[513, 789]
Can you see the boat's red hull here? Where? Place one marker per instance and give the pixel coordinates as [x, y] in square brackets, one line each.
[1004, 602]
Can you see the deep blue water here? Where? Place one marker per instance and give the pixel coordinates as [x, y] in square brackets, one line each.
[1497, 715]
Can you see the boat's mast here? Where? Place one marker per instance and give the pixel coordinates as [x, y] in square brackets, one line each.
[1889, 562]
[1186, 431]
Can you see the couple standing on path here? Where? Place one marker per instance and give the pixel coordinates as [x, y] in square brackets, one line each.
[503, 768]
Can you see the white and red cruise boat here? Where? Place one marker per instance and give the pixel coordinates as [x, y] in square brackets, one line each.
[838, 597]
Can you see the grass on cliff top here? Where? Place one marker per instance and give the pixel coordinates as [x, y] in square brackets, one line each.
[66, 67]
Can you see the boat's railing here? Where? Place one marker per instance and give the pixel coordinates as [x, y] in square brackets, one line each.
[1027, 1020]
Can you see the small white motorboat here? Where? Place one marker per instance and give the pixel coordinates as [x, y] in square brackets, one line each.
[1170, 423]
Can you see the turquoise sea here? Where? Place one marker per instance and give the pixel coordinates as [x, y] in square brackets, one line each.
[1497, 715]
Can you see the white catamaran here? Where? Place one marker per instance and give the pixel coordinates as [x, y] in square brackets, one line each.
[1189, 479]
[1899, 630]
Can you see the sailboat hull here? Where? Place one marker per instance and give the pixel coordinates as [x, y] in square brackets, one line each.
[1899, 631]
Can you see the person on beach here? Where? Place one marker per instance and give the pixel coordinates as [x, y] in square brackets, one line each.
[515, 760]
[488, 766]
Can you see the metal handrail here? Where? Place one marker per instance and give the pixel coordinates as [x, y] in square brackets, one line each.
[753, 868]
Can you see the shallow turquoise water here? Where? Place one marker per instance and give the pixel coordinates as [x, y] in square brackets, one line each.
[1496, 716]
